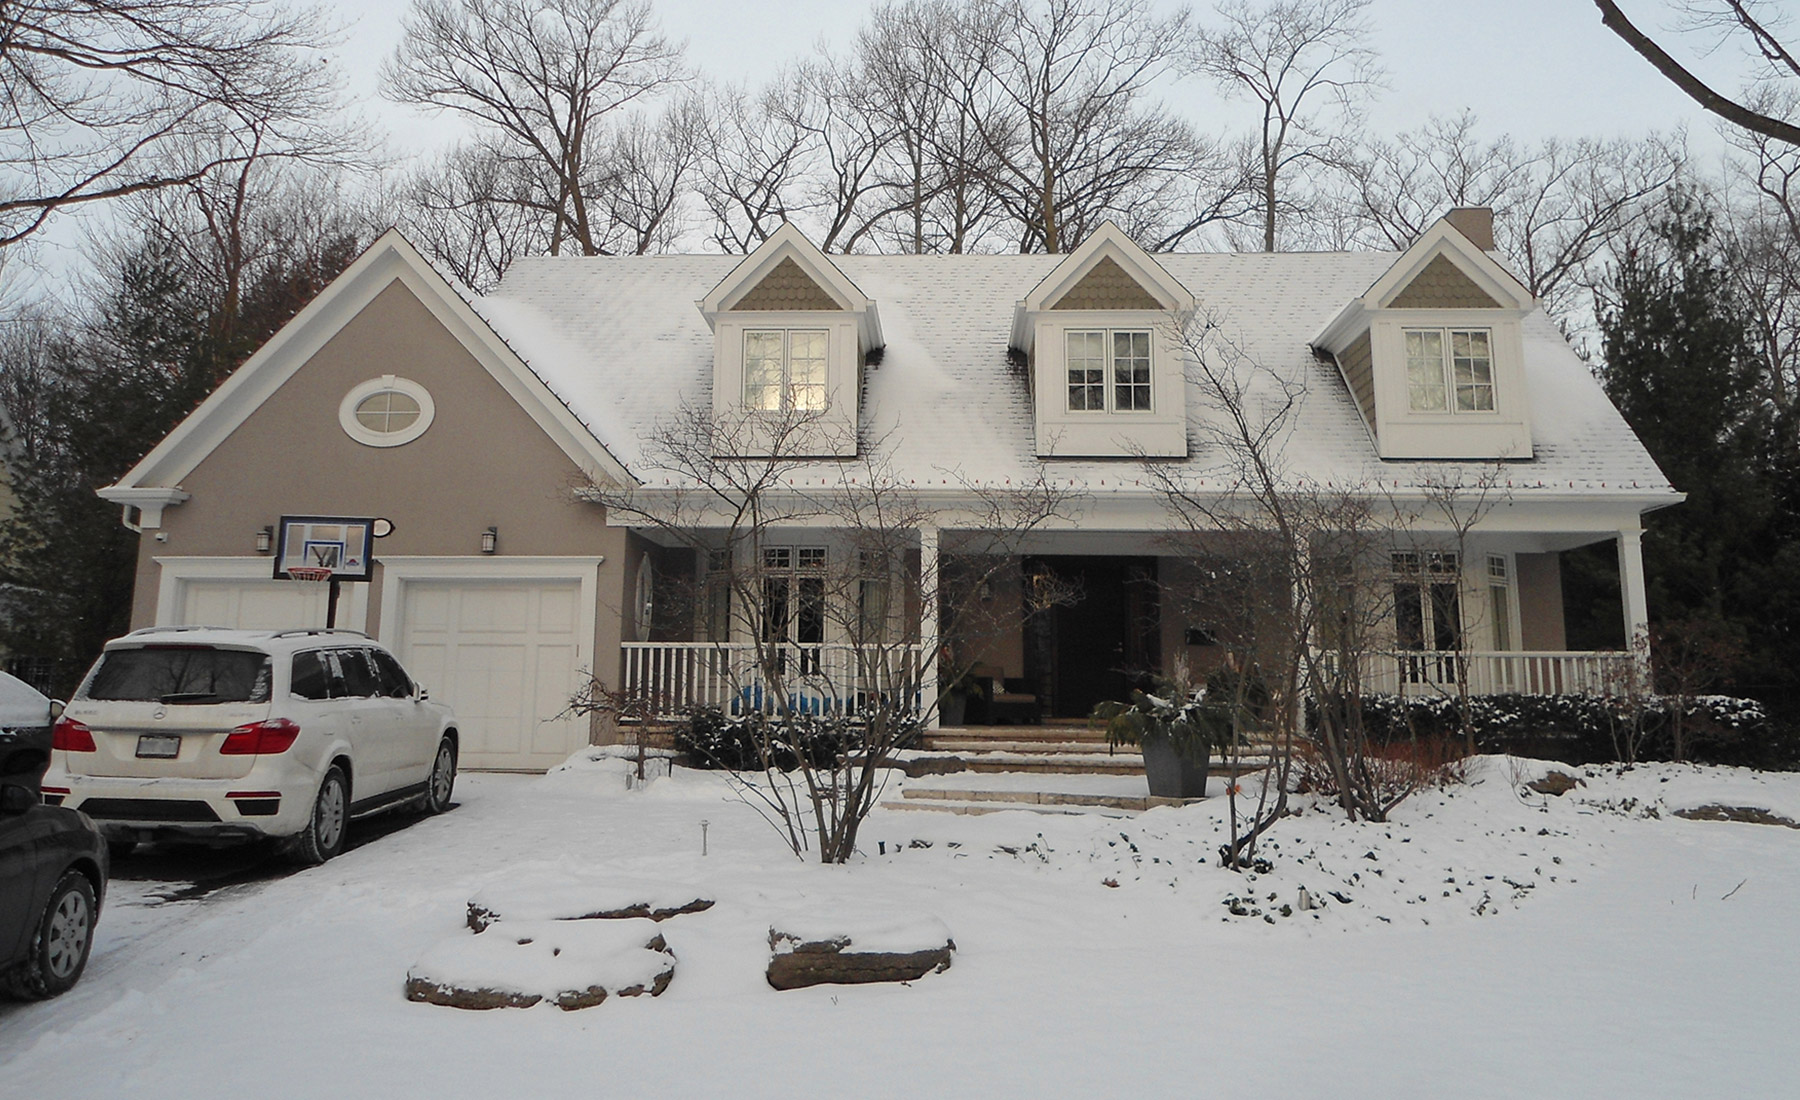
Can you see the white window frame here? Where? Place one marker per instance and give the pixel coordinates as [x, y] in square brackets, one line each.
[787, 368]
[1447, 371]
[369, 437]
[1110, 378]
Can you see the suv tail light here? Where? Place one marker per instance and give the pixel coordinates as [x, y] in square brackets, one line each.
[71, 736]
[261, 738]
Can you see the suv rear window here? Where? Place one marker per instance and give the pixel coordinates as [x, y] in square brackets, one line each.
[180, 674]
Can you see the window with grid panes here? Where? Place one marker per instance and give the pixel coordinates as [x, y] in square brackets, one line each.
[785, 369]
[1450, 370]
[1109, 370]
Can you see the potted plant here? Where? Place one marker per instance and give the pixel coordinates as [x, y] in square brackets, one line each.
[1176, 738]
[954, 691]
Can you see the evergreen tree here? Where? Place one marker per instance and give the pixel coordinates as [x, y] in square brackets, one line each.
[1679, 366]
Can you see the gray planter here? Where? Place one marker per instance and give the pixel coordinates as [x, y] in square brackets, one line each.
[952, 708]
[1171, 773]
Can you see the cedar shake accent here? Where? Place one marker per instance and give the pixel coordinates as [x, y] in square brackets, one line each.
[787, 287]
[1107, 286]
[1442, 285]
[1358, 364]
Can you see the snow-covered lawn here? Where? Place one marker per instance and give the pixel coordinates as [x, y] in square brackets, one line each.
[1488, 944]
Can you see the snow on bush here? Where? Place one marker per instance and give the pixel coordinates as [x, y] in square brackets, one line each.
[571, 964]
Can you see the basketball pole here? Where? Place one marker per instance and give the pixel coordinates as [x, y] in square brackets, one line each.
[331, 599]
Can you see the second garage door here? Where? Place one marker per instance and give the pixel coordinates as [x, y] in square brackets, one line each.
[507, 656]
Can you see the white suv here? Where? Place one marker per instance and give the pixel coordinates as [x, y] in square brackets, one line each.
[210, 734]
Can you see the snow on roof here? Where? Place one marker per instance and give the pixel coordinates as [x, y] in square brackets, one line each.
[622, 342]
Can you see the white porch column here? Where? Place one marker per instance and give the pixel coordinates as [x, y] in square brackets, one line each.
[928, 621]
[1631, 586]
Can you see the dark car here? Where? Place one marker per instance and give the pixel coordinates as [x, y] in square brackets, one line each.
[53, 862]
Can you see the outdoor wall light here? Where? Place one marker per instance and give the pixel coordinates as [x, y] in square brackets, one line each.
[265, 540]
[490, 540]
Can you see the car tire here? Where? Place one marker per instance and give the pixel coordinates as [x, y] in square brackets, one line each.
[64, 938]
[326, 829]
[442, 782]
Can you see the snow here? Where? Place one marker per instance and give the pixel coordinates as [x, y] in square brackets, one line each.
[545, 958]
[861, 928]
[1617, 950]
[567, 890]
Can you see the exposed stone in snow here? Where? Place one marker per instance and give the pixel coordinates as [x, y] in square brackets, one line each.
[854, 948]
[571, 964]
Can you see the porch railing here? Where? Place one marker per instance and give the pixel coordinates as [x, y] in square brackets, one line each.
[676, 677]
[1529, 672]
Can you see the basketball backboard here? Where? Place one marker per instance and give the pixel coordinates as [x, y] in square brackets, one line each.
[341, 544]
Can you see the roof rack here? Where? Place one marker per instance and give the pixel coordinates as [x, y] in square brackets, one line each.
[171, 629]
[318, 630]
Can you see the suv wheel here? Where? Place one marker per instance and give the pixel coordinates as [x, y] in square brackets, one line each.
[324, 834]
[65, 935]
[443, 779]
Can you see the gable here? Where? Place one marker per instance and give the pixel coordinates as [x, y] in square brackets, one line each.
[787, 287]
[1107, 286]
[1443, 285]
[483, 460]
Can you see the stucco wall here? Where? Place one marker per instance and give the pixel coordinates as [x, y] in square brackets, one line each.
[483, 463]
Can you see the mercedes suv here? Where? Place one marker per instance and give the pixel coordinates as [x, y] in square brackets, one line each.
[206, 734]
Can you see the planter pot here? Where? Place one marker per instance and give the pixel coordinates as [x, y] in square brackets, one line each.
[951, 709]
[1171, 773]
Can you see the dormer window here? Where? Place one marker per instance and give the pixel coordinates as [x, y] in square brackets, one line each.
[1097, 355]
[1102, 332]
[790, 333]
[1442, 361]
[785, 369]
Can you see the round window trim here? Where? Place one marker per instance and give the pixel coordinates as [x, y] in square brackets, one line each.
[388, 383]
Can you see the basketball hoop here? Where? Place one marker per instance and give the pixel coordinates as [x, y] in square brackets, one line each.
[310, 573]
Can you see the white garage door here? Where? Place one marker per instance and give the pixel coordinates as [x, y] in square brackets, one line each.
[505, 655]
[252, 605]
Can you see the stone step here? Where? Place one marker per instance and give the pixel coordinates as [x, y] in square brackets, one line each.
[959, 744]
[976, 808]
[1044, 764]
[1044, 798]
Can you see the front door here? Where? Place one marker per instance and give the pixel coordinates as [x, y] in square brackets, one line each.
[1101, 636]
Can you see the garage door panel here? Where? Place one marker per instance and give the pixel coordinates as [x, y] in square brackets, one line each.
[512, 657]
[253, 605]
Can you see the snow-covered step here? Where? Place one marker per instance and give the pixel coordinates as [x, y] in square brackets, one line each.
[942, 744]
[1047, 798]
[976, 808]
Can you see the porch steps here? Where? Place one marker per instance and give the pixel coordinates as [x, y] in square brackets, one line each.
[976, 801]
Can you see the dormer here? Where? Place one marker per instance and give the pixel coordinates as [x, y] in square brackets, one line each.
[790, 332]
[1432, 351]
[1102, 333]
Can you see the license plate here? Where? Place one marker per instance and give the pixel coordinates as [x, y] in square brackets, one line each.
[155, 747]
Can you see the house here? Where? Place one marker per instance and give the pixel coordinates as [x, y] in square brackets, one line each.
[478, 427]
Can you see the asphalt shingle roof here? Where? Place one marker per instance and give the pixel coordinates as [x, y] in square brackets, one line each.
[622, 342]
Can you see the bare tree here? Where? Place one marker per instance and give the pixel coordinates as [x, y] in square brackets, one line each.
[119, 97]
[1746, 20]
[1061, 102]
[823, 720]
[548, 76]
[1308, 67]
[1558, 206]
[753, 177]
[475, 210]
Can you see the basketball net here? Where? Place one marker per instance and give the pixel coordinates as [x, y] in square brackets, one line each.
[311, 573]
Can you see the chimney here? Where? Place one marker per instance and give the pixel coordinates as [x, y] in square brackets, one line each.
[1475, 223]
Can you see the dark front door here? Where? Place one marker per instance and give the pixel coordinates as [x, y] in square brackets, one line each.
[1102, 636]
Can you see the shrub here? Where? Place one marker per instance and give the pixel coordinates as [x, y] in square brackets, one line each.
[1580, 729]
[713, 739]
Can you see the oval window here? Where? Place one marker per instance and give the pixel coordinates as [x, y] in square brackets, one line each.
[386, 412]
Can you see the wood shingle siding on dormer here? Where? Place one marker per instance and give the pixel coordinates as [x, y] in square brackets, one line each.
[1358, 364]
[1442, 285]
[1107, 286]
[787, 287]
